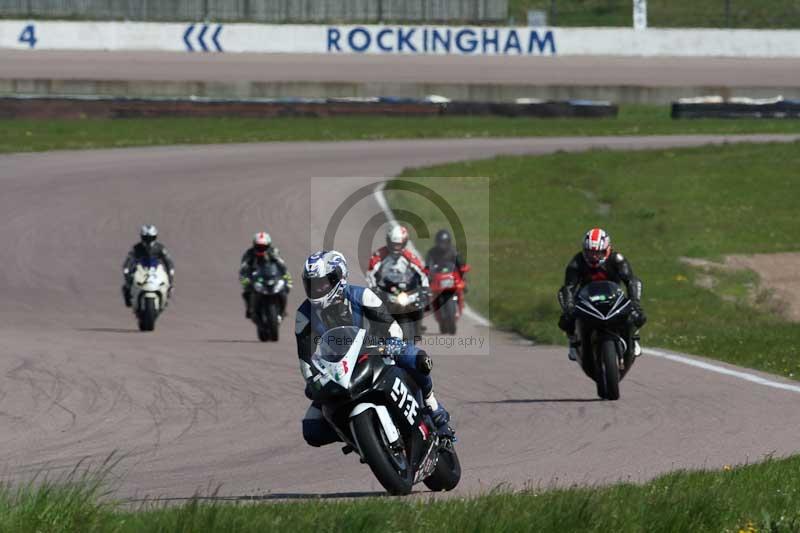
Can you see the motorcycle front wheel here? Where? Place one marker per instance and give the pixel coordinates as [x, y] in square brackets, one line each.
[608, 371]
[447, 473]
[395, 478]
[447, 324]
[147, 316]
[272, 321]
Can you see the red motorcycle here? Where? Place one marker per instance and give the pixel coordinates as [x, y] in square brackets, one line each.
[447, 295]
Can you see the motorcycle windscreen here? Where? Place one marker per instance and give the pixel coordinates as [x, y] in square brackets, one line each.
[443, 268]
[599, 292]
[149, 262]
[269, 271]
[336, 343]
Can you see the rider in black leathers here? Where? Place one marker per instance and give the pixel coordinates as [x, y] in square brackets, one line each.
[260, 252]
[147, 247]
[444, 252]
[597, 262]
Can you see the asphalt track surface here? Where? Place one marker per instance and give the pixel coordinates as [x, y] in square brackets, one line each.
[601, 71]
[198, 403]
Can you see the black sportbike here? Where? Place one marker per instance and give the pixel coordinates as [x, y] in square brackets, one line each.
[378, 411]
[268, 286]
[604, 331]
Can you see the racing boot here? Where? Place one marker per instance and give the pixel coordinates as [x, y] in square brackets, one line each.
[126, 296]
[637, 347]
[439, 415]
[573, 347]
[247, 313]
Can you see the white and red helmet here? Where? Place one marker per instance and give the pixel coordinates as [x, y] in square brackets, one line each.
[596, 247]
[396, 238]
[261, 243]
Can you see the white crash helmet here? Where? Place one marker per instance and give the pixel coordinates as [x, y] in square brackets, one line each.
[396, 238]
[325, 277]
[148, 233]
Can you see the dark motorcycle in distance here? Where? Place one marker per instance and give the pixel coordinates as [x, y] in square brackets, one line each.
[603, 328]
[378, 411]
[447, 295]
[265, 301]
[400, 289]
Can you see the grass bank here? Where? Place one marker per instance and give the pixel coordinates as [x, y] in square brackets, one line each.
[658, 206]
[41, 135]
[763, 497]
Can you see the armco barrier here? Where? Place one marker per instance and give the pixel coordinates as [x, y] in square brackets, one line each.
[789, 109]
[478, 92]
[86, 107]
[200, 37]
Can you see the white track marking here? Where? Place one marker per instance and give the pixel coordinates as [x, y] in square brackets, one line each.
[687, 360]
[675, 357]
[387, 211]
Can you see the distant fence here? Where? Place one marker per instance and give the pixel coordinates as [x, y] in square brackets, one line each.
[783, 14]
[280, 11]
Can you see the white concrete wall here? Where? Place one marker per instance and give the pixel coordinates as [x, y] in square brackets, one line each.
[376, 39]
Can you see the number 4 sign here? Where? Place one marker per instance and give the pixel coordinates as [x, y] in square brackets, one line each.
[28, 36]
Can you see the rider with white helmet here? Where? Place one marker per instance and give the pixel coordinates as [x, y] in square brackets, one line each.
[597, 261]
[332, 302]
[396, 244]
[147, 247]
[261, 251]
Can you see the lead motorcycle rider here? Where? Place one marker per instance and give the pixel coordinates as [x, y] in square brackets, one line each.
[598, 262]
[333, 302]
[147, 247]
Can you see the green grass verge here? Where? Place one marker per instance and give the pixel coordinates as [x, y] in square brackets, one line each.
[658, 206]
[665, 13]
[763, 497]
[41, 135]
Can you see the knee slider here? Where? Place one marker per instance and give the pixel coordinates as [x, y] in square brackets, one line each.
[315, 434]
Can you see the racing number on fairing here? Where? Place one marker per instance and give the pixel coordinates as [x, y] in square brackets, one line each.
[406, 402]
[28, 36]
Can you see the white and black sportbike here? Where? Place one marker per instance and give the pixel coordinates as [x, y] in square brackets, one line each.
[150, 290]
[401, 292]
[265, 300]
[378, 411]
[603, 328]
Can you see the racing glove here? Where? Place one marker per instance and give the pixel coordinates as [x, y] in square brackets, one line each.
[394, 346]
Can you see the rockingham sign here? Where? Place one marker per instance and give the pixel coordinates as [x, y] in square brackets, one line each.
[217, 38]
[440, 40]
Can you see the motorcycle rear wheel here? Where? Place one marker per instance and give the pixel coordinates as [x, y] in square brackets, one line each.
[375, 454]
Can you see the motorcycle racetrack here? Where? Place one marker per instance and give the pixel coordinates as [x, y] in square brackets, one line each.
[200, 403]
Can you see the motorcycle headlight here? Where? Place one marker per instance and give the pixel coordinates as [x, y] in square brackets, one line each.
[402, 298]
